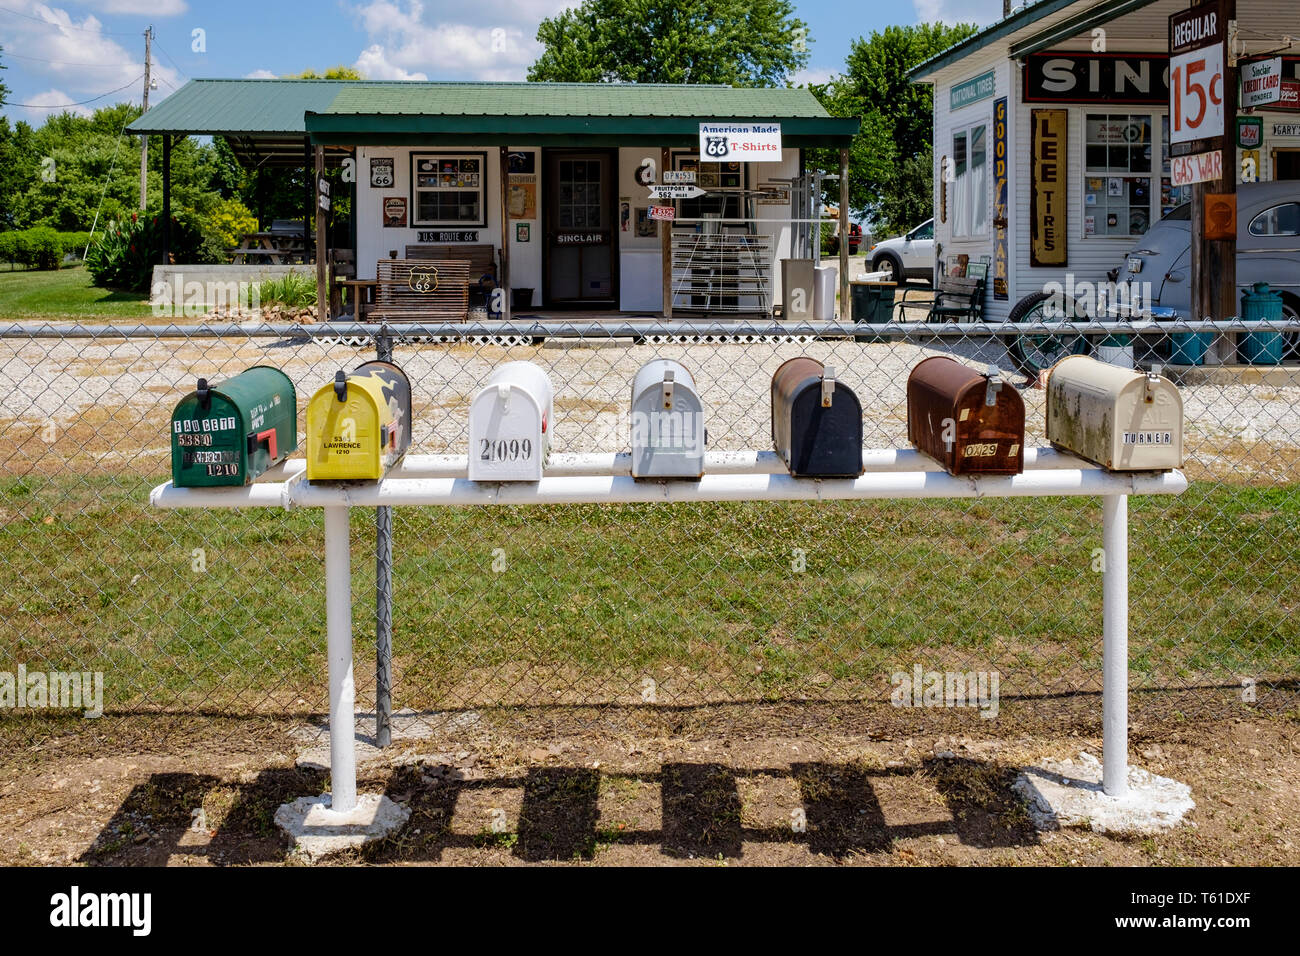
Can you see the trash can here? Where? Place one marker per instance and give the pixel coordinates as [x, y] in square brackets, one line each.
[1261, 305]
[797, 276]
[1115, 350]
[871, 302]
[824, 281]
[520, 299]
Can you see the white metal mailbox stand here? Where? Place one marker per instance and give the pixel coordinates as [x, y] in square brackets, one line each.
[590, 479]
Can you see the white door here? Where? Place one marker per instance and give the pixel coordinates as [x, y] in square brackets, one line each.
[918, 251]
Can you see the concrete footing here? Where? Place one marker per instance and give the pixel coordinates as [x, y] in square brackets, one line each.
[319, 831]
[1068, 793]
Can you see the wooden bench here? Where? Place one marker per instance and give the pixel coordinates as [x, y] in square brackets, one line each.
[414, 290]
[482, 261]
[955, 298]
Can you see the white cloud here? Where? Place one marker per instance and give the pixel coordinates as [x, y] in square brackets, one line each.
[260, 75]
[76, 56]
[373, 64]
[980, 12]
[813, 77]
[155, 8]
[496, 44]
[49, 103]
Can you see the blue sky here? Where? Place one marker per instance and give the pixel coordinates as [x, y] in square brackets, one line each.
[59, 53]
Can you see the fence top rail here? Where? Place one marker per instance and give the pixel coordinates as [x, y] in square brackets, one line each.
[630, 328]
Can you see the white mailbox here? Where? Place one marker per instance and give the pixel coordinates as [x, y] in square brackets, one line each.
[1119, 418]
[510, 421]
[667, 422]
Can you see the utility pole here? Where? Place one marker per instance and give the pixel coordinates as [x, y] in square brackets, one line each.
[144, 138]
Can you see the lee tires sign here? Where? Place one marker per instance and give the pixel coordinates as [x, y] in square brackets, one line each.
[1196, 75]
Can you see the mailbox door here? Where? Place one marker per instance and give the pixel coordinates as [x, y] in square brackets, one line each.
[208, 447]
[343, 437]
[1148, 436]
[667, 442]
[825, 442]
[506, 438]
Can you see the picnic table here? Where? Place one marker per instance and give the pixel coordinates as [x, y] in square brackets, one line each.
[279, 245]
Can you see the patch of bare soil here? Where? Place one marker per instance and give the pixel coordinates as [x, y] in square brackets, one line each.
[819, 786]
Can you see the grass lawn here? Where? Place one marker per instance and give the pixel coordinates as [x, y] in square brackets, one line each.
[33, 295]
[590, 597]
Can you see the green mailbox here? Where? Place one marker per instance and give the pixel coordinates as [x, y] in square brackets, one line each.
[229, 433]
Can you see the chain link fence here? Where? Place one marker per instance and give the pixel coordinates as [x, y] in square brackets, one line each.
[609, 610]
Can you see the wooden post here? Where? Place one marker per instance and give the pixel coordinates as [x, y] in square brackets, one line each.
[322, 243]
[666, 243]
[167, 201]
[506, 294]
[844, 235]
[1214, 262]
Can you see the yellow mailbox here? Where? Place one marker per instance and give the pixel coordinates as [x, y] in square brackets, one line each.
[359, 425]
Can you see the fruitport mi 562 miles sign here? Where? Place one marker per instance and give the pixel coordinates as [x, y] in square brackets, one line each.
[1196, 79]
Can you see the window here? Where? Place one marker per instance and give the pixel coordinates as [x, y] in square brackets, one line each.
[724, 183]
[970, 185]
[1283, 220]
[924, 231]
[1117, 155]
[447, 189]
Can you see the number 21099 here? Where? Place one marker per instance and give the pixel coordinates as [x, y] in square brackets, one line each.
[513, 449]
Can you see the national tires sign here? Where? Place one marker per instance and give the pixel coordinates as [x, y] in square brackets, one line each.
[740, 142]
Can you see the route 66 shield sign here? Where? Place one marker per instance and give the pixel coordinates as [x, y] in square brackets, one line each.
[715, 146]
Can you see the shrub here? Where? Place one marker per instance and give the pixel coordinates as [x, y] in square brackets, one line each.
[294, 289]
[7, 253]
[224, 226]
[74, 243]
[41, 248]
[125, 253]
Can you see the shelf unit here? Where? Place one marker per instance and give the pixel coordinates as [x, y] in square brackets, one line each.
[722, 272]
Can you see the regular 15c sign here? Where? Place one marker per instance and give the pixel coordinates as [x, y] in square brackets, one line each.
[1196, 73]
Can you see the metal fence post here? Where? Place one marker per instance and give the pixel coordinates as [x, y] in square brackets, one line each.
[383, 595]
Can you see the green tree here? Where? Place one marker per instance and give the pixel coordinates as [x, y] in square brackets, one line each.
[737, 42]
[339, 72]
[891, 181]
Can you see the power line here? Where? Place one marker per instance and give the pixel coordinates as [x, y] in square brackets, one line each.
[170, 58]
[63, 26]
[59, 106]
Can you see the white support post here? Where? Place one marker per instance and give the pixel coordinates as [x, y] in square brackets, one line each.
[1114, 510]
[338, 611]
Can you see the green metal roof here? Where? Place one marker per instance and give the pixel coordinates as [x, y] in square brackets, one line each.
[571, 99]
[235, 107]
[271, 118]
[608, 114]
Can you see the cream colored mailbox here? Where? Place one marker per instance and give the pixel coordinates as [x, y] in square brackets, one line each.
[1119, 418]
[667, 422]
[510, 420]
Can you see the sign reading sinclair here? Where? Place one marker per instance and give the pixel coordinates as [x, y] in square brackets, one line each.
[740, 142]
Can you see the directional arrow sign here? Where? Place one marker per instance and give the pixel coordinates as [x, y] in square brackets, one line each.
[669, 191]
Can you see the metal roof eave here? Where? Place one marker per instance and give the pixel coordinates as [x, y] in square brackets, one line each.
[988, 36]
[389, 129]
[1073, 26]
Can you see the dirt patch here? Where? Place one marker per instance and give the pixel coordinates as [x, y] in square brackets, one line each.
[797, 791]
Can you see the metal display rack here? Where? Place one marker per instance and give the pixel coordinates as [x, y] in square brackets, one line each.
[722, 272]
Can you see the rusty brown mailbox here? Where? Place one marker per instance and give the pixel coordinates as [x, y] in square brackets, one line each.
[971, 423]
[816, 421]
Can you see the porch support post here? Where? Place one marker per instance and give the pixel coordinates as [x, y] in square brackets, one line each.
[322, 243]
[308, 200]
[844, 235]
[506, 294]
[167, 200]
[666, 242]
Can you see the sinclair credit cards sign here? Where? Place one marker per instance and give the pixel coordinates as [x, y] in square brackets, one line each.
[740, 142]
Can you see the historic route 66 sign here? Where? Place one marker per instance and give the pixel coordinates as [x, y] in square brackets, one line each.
[423, 280]
[715, 146]
[381, 172]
